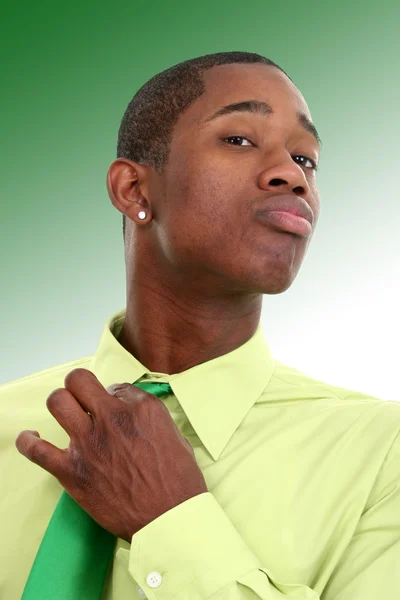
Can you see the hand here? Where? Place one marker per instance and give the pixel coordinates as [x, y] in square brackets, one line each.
[127, 462]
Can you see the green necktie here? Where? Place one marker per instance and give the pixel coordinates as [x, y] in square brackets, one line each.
[75, 553]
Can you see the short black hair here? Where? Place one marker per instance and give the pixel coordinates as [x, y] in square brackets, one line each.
[146, 128]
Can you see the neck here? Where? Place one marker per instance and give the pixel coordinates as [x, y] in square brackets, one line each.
[172, 325]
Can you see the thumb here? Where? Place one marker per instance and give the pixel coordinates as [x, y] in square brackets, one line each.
[119, 390]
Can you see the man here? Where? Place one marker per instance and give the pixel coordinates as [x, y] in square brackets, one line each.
[248, 479]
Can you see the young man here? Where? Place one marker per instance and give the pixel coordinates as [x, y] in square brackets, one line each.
[246, 479]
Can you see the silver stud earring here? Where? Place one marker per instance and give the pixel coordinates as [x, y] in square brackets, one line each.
[142, 214]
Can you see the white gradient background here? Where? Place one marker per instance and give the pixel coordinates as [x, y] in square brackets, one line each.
[68, 79]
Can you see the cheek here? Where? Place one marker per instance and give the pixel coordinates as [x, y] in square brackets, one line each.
[200, 198]
[204, 222]
[317, 207]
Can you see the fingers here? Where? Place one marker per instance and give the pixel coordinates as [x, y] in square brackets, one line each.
[42, 453]
[69, 413]
[87, 389]
[126, 392]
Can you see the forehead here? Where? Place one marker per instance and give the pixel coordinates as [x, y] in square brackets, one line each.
[226, 84]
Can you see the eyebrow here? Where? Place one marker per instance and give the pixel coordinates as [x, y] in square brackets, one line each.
[262, 108]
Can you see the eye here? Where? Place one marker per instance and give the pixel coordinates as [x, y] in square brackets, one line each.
[303, 159]
[237, 137]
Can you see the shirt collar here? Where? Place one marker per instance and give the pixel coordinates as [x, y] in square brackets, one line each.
[215, 396]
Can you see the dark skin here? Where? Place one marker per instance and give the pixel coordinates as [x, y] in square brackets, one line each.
[197, 268]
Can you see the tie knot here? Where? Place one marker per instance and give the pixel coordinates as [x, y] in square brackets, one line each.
[158, 389]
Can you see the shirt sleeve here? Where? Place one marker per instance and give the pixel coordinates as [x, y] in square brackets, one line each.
[194, 551]
[370, 566]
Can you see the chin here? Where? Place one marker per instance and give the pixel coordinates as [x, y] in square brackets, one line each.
[277, 287]
[276, 281]
[270, 280]
[270, 290]
[271, 287]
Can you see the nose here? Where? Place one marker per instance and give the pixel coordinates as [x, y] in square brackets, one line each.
[285, 175]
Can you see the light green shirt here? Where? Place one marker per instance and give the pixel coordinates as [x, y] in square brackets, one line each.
[303, 480]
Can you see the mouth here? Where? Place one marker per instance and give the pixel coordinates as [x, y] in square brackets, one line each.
[286, 221]
[289, 213]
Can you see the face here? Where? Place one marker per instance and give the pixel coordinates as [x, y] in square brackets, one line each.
[221, 172]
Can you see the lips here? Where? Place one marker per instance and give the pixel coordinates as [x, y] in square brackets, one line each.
[294, 205]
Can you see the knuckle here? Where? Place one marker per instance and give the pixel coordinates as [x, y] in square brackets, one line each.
[124, 385]
[141, 396]
[117, 388]
[76, 424]
[38, 453]
[130, 395]
[142, 406]
[111, 389]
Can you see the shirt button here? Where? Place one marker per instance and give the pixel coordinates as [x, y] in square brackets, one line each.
[154, 579]
[141, 592]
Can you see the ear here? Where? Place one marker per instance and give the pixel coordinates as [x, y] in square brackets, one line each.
[127, 186]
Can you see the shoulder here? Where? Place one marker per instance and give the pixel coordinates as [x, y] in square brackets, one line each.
[23, 401]
[367, 418]
[53, 376]
[307, 386]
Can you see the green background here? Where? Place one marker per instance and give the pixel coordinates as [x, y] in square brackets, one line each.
[70, 71]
